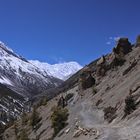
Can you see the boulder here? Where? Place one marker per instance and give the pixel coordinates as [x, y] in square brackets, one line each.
[123, 46]
[77, 133]
[116, 60]
[86, 79]
[101, 60]
[137, 41]
[101, 66]
[101, 70]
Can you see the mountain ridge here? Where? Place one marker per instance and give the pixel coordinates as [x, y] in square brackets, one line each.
[21, 78]
[61, 70]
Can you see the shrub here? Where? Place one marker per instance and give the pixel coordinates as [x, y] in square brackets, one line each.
[42, 102]
[99, 102]
[24, 119]
[59, 118]
[118, 62]
[94, 90]
[35, 119]
[130, 105]
[23, 135]
[2, 128]
[16, 129]
[109, 114]
[69, 96]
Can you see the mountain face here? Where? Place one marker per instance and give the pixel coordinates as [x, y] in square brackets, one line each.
[21, 80]
[61, 71]
[21, 76]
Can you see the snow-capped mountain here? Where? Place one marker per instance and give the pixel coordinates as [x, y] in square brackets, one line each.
[21, 80]
[61, 71]
[22, 76]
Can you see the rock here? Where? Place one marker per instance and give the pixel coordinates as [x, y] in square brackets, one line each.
[94, 132]
[86, 79]
[101, 60]
[137, 41]
[101, 70]
[77, 133]
[86, 131]
[101, 66]
[123, 46]
[116, 60]
[67, 131]
[132, 65]
[97, 134]
[61, 133]
[77, 124]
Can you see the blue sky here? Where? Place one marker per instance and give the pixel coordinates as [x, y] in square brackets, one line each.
[67, 30]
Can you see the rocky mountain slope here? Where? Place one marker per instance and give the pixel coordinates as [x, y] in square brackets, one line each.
[102, 99]
[21, 80]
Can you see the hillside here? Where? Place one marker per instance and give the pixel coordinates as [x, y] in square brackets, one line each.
[104, 102]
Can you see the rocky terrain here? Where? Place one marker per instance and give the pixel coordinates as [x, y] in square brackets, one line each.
[101, 101]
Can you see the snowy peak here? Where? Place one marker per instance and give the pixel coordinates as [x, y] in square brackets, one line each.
[61, 71]
[3, 46]
[22, 80]
[22, 76]
[16, 71]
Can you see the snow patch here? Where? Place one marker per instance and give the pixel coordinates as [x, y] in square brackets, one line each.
[2, 45]
[6, 81]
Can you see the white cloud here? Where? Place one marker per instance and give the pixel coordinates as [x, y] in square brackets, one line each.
[112, 39]
[108, 43]
[116, 38]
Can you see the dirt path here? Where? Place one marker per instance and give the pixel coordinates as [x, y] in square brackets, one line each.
[93, 118]
[90, 117]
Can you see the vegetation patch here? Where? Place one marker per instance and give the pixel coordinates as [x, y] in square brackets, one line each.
[99, 102]
[109, 113]
[94, 90]
[42, 102]
[23, 135]
[24, 118]
[35, 119]
[69, 96]
[118, 62]
[59, 119]
[130, 105]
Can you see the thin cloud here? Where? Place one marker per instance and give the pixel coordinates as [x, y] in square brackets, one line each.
[116, 38]
[108, 43]
[112, 39]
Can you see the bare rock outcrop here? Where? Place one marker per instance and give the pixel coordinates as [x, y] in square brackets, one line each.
[101, 66]
[86, 79]
[123, 46]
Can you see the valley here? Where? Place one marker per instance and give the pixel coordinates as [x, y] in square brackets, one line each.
[101, 101]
